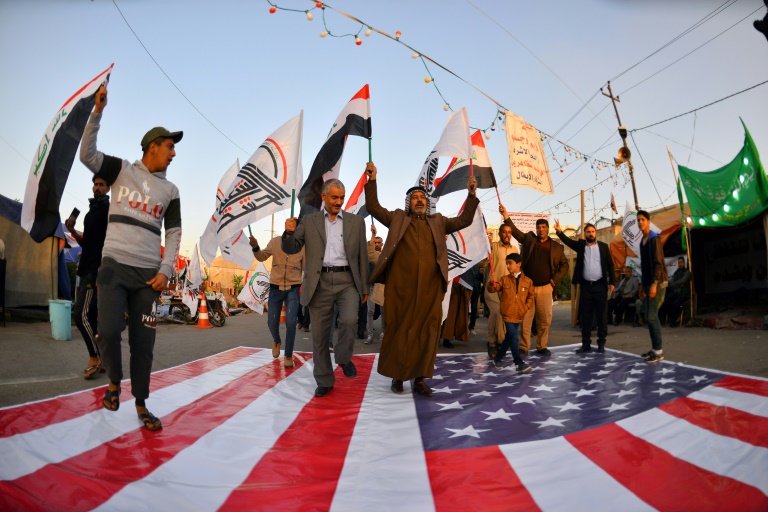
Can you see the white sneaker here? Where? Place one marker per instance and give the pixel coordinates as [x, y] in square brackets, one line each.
[472, 332]
[368, 340]
[382, 336]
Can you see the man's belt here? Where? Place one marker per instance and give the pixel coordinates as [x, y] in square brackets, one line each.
[336, 269]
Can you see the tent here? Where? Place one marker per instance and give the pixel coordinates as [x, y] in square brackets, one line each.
[32, 269]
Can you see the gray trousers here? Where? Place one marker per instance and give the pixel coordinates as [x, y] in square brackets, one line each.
[334, 288]
[123, 288]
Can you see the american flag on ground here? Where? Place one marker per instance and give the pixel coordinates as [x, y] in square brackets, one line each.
[580, 432]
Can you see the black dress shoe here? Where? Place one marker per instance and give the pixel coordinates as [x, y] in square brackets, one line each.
[322, 390]
[601, 349]
[349, 369]
[447, 344]
[583, 350]
[543, 352]
[397, 386]
[421, 388]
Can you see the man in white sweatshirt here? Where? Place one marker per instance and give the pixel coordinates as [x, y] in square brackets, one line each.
[132, 272]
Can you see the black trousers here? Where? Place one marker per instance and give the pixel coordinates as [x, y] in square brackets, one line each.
[121, 288]
[594, 301]
[86, 313]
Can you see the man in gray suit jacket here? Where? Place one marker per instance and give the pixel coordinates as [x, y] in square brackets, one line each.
[336, 272]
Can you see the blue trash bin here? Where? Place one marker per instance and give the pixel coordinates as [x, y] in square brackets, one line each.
[61, 319]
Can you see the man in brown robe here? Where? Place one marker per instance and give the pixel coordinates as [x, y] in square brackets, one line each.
[414, 267]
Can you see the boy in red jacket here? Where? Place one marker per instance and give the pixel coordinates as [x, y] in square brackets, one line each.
[516, 298]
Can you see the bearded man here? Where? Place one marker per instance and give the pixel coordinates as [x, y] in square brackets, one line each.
[594, 275]
[414, 267]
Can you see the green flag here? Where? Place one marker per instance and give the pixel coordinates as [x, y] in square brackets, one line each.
[730, 195]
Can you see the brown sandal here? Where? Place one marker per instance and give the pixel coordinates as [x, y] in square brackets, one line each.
[91, 371]
[151, 422]
[111, 400]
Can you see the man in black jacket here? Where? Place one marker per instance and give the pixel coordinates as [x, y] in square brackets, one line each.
[594, 275]
[91, 241]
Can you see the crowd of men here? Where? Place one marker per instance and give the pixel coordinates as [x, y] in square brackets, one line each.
[324, 269]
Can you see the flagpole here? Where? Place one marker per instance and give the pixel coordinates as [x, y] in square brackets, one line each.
[293, 200]
[370, 159]
[685, 233]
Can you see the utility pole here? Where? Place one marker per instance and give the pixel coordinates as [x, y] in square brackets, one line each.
[624, 153]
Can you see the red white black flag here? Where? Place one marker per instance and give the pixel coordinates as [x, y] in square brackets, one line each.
[355, 119]
[356, 202]
[53, 161]
[457, 175]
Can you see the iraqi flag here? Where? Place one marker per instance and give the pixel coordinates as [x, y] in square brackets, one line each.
[457, 175]
[263, 185]
[581, 432]
[53, 161]
[454, 142]
[354, 119]
[356, 202]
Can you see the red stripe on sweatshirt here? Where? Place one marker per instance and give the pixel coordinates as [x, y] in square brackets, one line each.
[659, 478]
[310, 453]
[485, 473]
[27, 417]
[91, 478]
[721, 420]
[753, 386]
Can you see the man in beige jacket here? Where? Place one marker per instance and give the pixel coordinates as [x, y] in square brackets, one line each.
[284, 285]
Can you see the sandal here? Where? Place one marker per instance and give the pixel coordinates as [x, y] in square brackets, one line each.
[111, 400]
[151, 422]
[91, 371]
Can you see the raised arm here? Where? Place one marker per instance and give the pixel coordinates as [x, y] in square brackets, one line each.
[293, 237]
[258, 253]
[454, 224]
[107, 167]
[378, 212]
[573, 244]
[519, 235]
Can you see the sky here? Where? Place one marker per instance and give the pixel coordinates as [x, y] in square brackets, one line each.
[229, 73]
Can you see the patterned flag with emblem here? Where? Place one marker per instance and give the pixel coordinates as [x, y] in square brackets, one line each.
[263, 185]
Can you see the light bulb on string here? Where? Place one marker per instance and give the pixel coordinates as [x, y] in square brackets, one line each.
[368, 32]
[493, 127]
[487, 135]
[323, 34]
[446, 107]
[319, 5]
[358, 41]
[398, 34]
[415, 56]
[427, 80]
[309, 16]
[272, 10]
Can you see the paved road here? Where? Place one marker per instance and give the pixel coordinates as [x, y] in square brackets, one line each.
[34, 366]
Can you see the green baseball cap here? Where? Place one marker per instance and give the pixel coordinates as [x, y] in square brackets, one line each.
[159, 131]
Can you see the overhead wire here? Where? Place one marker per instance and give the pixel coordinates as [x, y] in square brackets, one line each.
[700, 108]
[687, 31]
[653, 182]
[690, 52]
[174, 83]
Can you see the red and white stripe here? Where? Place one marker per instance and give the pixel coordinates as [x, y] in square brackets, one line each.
[242, 432]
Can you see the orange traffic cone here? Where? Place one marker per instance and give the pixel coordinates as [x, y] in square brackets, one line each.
[202, 319]
[282, 315]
